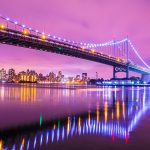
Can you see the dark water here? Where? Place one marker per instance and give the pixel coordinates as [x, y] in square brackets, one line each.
[74, 118]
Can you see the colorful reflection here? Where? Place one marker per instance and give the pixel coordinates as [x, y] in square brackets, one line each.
[114, 117]
[22, 92]
[118, 126]
[1, 145]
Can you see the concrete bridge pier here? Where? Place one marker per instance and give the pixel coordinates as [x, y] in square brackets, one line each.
[117, 69]
[146, 77]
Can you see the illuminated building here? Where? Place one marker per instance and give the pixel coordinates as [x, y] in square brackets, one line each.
[60, 76]
[11, 75]
[22, 76]
[77, 77]
[33, 76]
[52, 77]
[96, 75]
[3, 75]
[29, 76]
[84, 76]
[41, 77]
[70, 79]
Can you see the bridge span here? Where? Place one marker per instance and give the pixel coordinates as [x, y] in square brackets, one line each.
[121, 62]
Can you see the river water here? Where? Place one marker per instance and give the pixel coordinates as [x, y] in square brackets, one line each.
[69, 117]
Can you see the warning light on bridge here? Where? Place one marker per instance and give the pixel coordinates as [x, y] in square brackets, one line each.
[25, 32]
[118, 59]
[2, 26]
[43, 37]
[83, 48]
[93, 51]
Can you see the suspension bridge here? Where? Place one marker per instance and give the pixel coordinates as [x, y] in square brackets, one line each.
[120, 54]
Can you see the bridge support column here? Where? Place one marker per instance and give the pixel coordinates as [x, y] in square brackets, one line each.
[114, 72]
[117, 69]
[146, 77]
[127, 72]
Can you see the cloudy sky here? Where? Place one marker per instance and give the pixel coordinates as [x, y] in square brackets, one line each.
[78, 20]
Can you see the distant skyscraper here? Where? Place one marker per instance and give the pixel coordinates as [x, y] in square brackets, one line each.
[22, 76]
[84, 76]
[11, 75]
[96, 75]
[32, 76]
[60, 76]
[3, 74]
[77, 77]
[52, 77]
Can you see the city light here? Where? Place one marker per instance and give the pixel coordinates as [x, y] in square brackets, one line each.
[118, 110]
[118, 59]
[25, 32]
[43, 37]
[92, 51]
[2, 26]
[75, 127]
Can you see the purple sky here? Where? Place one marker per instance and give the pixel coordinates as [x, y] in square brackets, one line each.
[79, 20]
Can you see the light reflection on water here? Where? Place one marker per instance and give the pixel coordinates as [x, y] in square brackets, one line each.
[110, 112]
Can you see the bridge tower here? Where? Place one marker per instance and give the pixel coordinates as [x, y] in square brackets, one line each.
[117, 69]
[120, 68]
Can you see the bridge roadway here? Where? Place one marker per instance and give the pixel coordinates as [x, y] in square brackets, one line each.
[16, 38]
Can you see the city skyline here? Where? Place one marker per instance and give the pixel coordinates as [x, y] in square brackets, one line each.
[73, 28]
[31, 76]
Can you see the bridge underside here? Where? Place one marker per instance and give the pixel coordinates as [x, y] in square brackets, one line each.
[17, 39]
[138, 70]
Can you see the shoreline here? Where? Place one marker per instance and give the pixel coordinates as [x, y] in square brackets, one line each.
[69, 86]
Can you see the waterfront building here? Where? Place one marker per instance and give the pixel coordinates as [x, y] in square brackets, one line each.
[3, 75]
[22, 76]
[60, 76]
[96, 75]
[77, 77]
[40, 77]
[52, 77]
[11, 75]
[32, 76]
[29, 76]
[84, 76]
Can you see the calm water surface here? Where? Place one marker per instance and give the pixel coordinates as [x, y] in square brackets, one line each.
[34, 117]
